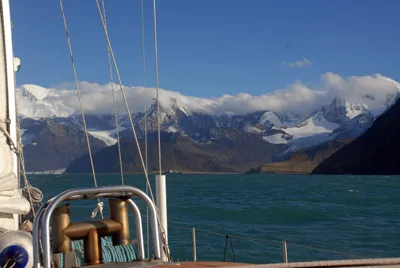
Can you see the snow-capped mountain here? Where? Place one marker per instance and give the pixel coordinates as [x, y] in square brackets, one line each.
[39, 102]
[202, 120]
[354, 127]
[49, 145]
[340, 110]
[338, 120]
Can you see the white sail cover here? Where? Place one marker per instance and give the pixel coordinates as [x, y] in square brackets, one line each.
[11, 200]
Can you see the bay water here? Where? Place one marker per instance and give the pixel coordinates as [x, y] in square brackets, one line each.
[320, 217]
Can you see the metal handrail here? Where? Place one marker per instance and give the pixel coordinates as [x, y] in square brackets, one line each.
[139, 228]
[135, 208]
[88, 193]
[35, 233]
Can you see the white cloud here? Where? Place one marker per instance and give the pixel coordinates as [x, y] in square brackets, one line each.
[373, 91]
[299, 64]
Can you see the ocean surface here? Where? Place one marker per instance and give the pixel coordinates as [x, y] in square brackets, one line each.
[320, 217]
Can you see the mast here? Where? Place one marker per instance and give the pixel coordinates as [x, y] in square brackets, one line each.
[10, 206]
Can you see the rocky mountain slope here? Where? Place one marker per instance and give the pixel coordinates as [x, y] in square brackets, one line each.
[232, 152]
[374, 152]
[304, 161]
[51, 146]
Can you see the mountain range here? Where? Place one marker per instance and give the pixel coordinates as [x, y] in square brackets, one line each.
[374, 152]
[193, 139]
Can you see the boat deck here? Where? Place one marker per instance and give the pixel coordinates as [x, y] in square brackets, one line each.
[169, 265]
[366, 263]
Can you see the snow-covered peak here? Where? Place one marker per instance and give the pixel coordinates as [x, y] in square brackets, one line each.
[297, 98]
[340, 110]
[297, 110]
[270, 118]
[36, 91]
[290, 119]
[166, 112]
[279, 120]
[316, 124]
[38, 102]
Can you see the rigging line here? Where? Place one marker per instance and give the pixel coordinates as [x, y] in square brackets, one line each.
[158, 112]
[114, 104]
[144, 84]
[145, 126]
[125, 100]
[99, 204]
[267, 240]
[157, 89]
[129, 114]
[325, 250]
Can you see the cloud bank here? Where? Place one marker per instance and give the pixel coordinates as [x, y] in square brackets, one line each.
[372, 91]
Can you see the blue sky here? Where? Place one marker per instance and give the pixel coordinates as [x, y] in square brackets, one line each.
[210, 47]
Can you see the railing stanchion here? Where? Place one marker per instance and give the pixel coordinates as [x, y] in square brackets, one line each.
[194, 244]
[284, 251]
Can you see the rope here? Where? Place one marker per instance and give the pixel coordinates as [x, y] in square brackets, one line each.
[157, 90]
[13, 147]
[115, 106]
[35, 194]
[110, 253]
[145, 126]
[128, 111]
[32, 194]
[80, 102]
[99, 208]
[233, 251]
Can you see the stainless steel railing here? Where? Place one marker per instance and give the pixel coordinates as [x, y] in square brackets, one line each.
[41, 226]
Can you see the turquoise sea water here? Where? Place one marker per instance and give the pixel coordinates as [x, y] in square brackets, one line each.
[357, 215]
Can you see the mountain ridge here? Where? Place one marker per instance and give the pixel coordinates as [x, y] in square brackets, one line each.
[339, 119]
[183, 154]
[373, 152]
[51, 146]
